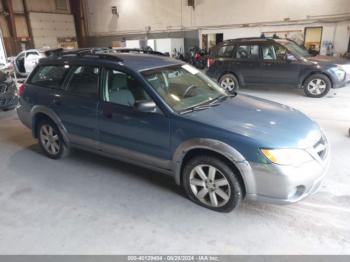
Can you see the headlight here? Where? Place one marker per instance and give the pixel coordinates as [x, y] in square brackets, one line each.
[287, 157]
[340, 73]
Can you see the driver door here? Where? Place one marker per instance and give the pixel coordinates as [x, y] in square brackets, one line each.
[125, 131]
[276, 69]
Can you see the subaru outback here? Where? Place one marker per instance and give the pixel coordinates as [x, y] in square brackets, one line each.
[166, 115]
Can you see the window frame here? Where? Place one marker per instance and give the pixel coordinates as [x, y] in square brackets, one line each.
[237, 45]
[103, 75]
[223, 46]
[70, 76]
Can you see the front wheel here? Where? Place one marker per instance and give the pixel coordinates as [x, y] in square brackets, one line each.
[317, 85]
[229, 83]
[211, 183]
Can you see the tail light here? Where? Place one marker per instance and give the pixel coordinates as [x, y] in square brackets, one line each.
[210, 62]
[21, 89]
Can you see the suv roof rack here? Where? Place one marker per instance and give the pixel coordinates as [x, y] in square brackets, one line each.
[97, 52]
[134, 50]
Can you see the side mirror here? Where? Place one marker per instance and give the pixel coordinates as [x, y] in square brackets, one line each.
[147, 107]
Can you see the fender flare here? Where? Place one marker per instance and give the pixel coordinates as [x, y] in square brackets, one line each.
[40, 109]
[219, 147]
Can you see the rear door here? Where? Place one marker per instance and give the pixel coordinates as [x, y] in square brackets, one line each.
[246, 62]
[77, 105]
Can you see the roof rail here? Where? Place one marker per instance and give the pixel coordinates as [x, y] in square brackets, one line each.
[134, 50]
[97, 52]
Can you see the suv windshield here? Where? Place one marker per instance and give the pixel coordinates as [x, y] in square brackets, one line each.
[183, 86]
[294, 48]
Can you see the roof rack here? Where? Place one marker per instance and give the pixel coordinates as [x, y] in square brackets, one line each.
[134, 50]
[82, 52]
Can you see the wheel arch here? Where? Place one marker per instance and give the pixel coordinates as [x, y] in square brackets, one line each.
[223, 151]
[305, 77]
[39, 113]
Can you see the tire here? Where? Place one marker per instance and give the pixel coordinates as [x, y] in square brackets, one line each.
[225, 187]
[229, 83]
[317, 85]
[50, 140]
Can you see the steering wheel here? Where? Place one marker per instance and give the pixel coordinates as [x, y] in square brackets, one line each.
[188, 89]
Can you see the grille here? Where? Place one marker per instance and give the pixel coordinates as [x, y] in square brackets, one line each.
[321, 148]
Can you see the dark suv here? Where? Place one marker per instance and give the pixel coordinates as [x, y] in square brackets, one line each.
[273, 61]
[168, 116]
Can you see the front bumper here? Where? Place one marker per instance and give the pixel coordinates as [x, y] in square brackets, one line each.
[286, 184]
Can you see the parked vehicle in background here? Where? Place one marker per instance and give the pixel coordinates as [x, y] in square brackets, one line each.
[8, 92]
[8, 67]
[275, 62]
[166, 115]
[197, 57]
[25, 62]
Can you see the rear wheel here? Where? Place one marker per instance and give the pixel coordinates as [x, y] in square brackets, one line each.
[211, 183]
[229, 83]
[317, 85]
[50, 140]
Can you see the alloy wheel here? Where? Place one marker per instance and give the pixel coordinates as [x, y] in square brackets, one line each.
[50, 139]
[210, 186]
[228, 84]
[317, 86]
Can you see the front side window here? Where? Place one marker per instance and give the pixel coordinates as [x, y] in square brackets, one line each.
[294, 49]
[247, 52]
[274, 52]
[51, 76]
[122, 89]
[84, 81]
[183, 86]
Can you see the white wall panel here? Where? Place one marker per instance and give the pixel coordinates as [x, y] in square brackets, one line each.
[48, 27]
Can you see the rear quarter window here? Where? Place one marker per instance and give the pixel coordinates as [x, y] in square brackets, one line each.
[50, 76]
[225, 51]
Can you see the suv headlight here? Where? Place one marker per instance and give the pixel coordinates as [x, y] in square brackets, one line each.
[340, 73]
[287, 157]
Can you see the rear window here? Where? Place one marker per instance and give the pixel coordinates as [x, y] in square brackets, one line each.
[50, 76]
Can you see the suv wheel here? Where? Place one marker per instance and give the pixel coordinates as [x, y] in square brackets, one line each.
[317, 85]
[211, 183]
[229, 83]
[50, 140]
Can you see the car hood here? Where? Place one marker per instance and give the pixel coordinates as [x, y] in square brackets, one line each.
[267, 123]
[329, 60]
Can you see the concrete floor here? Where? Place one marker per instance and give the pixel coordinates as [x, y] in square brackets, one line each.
[86, 204]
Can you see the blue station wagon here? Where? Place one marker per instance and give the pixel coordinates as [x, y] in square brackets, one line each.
[165, 115]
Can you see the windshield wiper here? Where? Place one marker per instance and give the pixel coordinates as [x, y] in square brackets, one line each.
[197, 108]
[221, 98]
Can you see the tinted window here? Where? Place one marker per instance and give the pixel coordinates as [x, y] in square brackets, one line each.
[247, 52]
[51, 76]
[225, 51]
[84, 81]
[122, 89]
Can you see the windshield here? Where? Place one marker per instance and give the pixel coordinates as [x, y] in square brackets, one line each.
[294, 48]
[183, 86]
